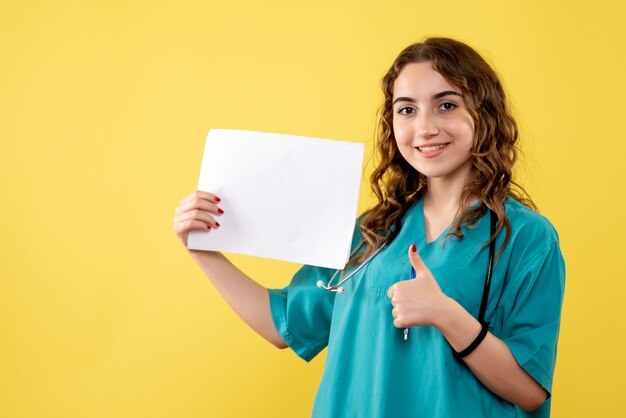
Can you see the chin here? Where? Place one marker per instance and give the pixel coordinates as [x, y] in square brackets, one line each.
[433, 174]
[443, 171]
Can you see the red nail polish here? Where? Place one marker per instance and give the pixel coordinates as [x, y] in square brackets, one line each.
[220, 211]
[413, 248]
[208, 227]
[217, 224]
[217, 199]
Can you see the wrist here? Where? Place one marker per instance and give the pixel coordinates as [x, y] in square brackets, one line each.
[448, 310]
[457, 325]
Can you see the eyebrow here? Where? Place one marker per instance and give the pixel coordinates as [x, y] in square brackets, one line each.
[435, 96]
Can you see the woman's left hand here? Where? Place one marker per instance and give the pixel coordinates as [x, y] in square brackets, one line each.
[419, 301]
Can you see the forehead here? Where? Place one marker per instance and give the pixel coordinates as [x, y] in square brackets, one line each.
[420, 80]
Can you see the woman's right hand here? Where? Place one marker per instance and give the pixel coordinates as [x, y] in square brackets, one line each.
[195, 212]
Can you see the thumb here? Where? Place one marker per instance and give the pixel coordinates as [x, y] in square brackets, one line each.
[415, 259]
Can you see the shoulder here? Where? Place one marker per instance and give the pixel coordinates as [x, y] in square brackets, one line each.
[533, 255]
[528, 225]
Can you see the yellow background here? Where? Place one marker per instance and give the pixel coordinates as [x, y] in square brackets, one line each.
[104, 109]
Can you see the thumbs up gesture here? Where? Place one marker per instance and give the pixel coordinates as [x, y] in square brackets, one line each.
[419, 301]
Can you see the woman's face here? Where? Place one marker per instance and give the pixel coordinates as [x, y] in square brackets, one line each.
[433, 129]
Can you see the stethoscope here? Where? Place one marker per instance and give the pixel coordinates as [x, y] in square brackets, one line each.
[338, 288]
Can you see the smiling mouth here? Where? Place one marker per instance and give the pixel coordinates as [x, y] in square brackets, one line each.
[431, 148]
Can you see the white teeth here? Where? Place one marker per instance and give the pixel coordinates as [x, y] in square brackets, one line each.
[432, 148]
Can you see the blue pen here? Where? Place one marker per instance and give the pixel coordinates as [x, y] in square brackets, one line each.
[411, 276]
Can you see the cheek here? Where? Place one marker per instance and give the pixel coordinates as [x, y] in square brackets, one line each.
[401, 133]
[464, 132]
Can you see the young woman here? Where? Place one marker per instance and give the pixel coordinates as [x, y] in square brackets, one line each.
[484, 307]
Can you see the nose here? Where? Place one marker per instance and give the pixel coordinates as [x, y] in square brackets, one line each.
[426, 126]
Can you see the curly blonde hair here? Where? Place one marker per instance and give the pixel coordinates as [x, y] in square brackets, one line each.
[397, 184]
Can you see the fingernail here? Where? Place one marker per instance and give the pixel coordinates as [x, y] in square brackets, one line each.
[217, 199]
[413, 248]
[220, 211]
[217, 224]
[208, 227]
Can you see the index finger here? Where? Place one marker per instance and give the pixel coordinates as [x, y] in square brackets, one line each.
[202, 195]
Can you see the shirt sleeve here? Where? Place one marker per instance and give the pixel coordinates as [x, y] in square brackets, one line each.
[532, 309]
[302, 311]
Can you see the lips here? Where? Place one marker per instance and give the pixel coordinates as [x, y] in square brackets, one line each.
[431, 148]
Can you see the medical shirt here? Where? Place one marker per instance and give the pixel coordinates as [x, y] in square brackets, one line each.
[371, 371]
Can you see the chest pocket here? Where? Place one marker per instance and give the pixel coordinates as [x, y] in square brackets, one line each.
[384, 271]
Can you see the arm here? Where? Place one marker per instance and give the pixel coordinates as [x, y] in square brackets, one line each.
[421, 302]
[491, 362]
[248, 299]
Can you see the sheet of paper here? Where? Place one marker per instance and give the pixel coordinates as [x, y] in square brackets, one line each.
[284, 197]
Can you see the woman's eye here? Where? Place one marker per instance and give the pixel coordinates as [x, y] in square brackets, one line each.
[447, 106]
[405, 110]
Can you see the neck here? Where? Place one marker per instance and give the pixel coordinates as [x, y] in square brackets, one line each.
[443, 194]
[441, 197]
